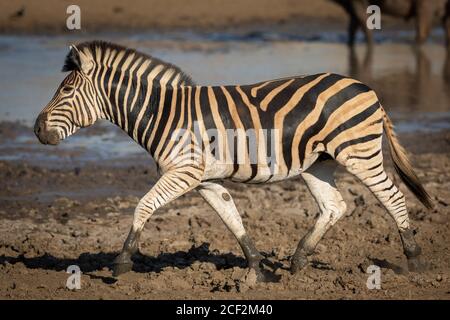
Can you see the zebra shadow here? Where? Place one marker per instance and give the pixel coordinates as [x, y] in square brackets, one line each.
[383, 263]
[91, 262]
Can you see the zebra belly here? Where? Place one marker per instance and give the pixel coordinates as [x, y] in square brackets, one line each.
[268, 175]
[256, 173]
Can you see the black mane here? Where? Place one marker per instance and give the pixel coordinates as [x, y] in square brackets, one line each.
[72, 61]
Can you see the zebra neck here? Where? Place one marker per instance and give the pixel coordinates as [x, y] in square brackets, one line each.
[141, 112]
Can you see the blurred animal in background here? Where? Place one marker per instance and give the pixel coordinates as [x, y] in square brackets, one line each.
[423, 11]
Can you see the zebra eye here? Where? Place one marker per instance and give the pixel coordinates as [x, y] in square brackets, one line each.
[67, 89]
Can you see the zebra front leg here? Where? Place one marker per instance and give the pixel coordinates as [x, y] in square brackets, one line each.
[319, 179]
[222, 202]
[169, 187]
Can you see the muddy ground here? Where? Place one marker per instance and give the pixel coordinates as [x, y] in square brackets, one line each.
[60, 207]
[53, 216]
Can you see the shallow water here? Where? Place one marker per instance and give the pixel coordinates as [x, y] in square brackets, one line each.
[412, 85]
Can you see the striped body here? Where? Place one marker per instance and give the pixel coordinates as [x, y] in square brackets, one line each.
[302, 117]
[259, 133]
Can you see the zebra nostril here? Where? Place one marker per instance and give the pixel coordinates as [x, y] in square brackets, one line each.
[39, 125]
[37, 128]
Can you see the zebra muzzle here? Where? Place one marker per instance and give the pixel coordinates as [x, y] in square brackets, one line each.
[45, 135]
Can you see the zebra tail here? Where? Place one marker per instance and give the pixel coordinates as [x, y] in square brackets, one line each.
[403, 165]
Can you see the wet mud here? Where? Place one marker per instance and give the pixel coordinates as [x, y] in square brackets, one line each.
[73, 204]
[53, 216]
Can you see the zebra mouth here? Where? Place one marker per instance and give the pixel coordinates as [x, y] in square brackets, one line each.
[48, 137]
[43, 133]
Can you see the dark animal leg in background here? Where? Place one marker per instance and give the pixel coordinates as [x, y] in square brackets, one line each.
[358, 12]
[353, 63]
[366, 69]
[446, 22]
[424, 16]
[446, 71]
[446, 25]
[422, 74]
[360, 70]
[352, 30]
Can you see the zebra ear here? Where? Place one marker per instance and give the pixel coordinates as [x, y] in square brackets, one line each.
[77, 60]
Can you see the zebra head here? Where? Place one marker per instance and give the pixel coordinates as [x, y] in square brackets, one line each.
[75, 104]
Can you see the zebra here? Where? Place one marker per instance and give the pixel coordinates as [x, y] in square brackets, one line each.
[322, 121]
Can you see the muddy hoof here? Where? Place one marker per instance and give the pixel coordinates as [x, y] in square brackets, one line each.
[298, 263]
[121, 268]
[416, 265]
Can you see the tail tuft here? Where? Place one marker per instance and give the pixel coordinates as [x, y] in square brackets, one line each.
[403, 165]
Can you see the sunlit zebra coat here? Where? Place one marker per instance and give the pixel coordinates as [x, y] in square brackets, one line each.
[259, 133]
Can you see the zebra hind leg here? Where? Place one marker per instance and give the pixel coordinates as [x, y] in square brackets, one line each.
[319, 179]
[371, 172]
